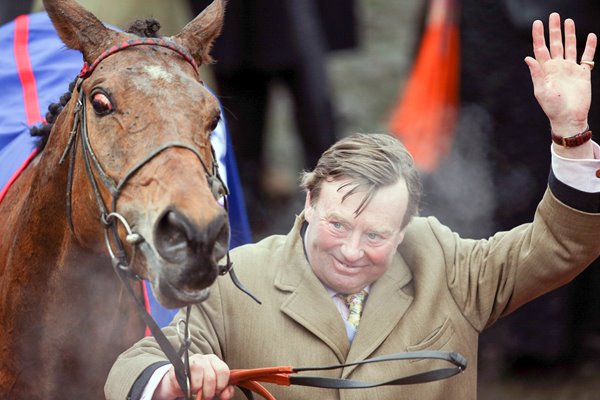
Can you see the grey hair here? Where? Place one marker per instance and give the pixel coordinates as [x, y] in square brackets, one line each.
[371, 161]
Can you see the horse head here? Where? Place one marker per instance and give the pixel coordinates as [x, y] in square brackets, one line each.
[142, 175]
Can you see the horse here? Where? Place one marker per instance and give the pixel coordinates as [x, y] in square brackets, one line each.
[127, 182]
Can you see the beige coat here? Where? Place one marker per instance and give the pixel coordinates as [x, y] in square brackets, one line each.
[439, 293]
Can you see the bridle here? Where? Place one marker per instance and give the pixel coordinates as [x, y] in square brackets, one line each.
[110, 218]
[79, 129]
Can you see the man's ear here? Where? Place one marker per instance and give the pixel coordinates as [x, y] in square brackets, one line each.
[308, 208]
[401, 236]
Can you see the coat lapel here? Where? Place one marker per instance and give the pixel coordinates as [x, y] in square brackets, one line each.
[312, 308]
[379, 318]
[307, 301]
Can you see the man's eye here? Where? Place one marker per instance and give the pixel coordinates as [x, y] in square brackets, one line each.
[337, 225]
[373, 236]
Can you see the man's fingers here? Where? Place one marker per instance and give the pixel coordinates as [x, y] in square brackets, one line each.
[590, 48]
[534, 68]
[218, 379]
[200, 371]
[222, 374]
[209, 384]
[197, 375]
[210, 375]
[227, 393]
[555, 34]
[570, 41]
[540, 50]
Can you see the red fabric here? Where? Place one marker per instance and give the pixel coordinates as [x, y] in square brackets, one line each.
[27, 78]
[146, 305]
[25, 71]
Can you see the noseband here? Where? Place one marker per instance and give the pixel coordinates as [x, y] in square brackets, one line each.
[110, 219]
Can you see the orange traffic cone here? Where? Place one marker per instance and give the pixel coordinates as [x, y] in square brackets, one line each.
[425, 113]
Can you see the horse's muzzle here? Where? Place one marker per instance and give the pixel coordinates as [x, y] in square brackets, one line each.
[194, 250]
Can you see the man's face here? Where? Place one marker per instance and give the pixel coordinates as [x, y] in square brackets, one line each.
[348, 252]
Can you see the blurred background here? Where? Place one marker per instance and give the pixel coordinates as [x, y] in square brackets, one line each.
[321, 70]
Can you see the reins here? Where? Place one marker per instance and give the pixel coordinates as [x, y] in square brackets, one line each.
[111, 218]
[248, 380]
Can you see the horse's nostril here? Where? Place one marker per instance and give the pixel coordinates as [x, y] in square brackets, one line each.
[178, 240]
[171, 236]
[222, 239]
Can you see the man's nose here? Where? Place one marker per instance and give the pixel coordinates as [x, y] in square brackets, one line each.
[352, 249]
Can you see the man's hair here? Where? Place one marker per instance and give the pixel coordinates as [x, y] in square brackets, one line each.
[371, 161]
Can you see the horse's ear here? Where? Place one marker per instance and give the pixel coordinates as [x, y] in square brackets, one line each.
[79, 29]
[199, 34]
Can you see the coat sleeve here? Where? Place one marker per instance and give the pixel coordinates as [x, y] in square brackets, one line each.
[491, 278]
[206, 331]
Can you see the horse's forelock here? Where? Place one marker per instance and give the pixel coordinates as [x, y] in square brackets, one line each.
[145, 27]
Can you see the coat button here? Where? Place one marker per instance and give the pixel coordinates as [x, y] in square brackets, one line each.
[598, 173]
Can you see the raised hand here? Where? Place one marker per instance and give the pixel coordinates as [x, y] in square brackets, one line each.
[561, 84]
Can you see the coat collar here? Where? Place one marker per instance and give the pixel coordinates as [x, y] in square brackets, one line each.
[309, 304]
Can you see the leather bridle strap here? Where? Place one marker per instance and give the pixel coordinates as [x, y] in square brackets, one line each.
[248, 379]
[161, 42]
[175, 358]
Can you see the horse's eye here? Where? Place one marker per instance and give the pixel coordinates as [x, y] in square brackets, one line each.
[101, 103]
[214, 123]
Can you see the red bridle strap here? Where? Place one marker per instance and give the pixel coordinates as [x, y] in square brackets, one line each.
[161, 42]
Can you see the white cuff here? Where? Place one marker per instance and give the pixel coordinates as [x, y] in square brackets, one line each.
[154, 381]
[580, 174]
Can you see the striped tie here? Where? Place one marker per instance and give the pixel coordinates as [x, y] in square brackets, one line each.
[355, 304]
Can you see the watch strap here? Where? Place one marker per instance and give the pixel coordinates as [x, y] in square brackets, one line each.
[572, 141]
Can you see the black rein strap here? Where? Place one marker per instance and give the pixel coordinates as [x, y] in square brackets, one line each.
[460, 364]
[248, 379]
[181, 369]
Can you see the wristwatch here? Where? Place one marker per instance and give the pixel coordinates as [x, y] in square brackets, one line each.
[572, 141]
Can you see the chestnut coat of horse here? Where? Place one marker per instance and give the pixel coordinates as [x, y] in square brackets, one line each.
[128, 166]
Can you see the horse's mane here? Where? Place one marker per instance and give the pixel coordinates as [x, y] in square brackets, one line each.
[144, 28]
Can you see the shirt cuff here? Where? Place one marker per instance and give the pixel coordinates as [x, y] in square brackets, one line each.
[142, 384]
[579, 174]
[154, 381]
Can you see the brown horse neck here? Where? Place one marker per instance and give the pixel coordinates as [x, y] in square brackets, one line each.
[67, 319]
[55, 292]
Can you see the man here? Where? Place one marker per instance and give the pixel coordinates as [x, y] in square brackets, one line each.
[428, 289]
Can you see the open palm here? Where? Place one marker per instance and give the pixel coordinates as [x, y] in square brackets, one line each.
[561, 85]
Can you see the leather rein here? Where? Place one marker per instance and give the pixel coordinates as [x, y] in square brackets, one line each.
[248, 380]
